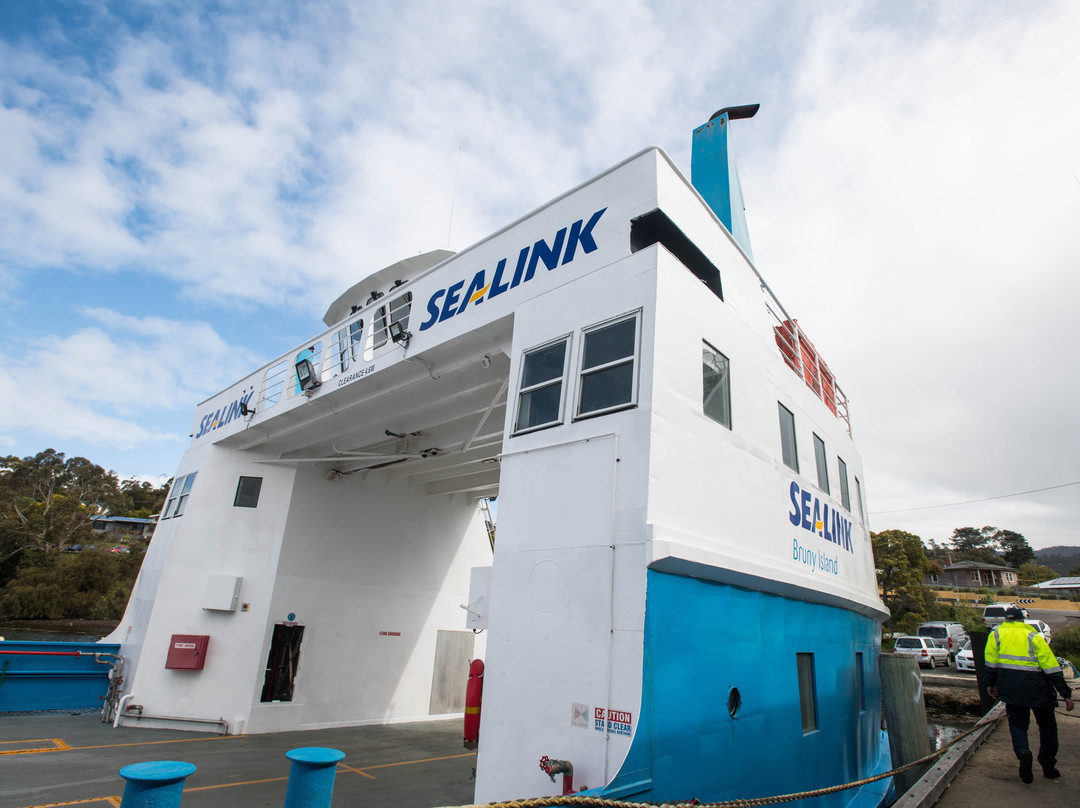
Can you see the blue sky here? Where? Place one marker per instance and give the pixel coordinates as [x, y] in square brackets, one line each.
[186, 187]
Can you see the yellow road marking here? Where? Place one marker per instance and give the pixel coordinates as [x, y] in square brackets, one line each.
[362, 770]
[57, 746]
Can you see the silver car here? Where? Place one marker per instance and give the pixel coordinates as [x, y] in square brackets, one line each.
[925, 650]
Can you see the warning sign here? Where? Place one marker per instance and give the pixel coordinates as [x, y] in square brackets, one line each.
[617, 722]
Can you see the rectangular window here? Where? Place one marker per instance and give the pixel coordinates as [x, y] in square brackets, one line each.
[177, 501]
[399, 310]
[858, 498]
[975, 577]
[860, 682]
[247, 492]
[845, 495]
[716, 385]
[356, 339]
[807, 692]
[787, 438]
[341, 346]
[608, 367]
[540, 399]
[822, 464]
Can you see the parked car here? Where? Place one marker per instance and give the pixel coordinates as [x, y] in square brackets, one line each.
[925, 650]
[994, 614]
[952, 635]
[965, 658]
[1042, 628]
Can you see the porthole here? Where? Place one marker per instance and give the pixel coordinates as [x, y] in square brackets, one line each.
[734, 702]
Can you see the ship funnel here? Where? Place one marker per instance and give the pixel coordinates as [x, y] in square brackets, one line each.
[713, 172]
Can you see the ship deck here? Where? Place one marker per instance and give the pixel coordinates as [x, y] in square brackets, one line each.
[47, 760]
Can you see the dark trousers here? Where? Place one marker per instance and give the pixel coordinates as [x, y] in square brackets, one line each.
[1019, 718]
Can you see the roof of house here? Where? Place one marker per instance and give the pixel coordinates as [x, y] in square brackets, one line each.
[977, 565]
[1060, 583]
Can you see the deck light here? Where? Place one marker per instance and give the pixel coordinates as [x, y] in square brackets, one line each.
[399, 335]
[305, 376]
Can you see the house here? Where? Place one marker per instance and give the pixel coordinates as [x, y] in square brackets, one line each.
[1061, 586]
[129, 527]
[975, 574]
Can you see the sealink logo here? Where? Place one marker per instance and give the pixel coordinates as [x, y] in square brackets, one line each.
[449, 302]
[218, 419]
[815, 516]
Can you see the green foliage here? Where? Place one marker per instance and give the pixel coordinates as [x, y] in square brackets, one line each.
[988, 598]
[909, 623]
[901, 559]
[991, 545]
[1032, 573]
[93, 584]
[969, 617]
[1067, 642]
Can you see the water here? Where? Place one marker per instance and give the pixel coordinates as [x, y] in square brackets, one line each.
[38, 635]
[942, 732]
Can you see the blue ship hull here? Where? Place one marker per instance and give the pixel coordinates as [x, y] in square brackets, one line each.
[704, 639]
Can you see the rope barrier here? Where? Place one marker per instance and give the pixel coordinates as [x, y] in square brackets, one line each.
[599, 802]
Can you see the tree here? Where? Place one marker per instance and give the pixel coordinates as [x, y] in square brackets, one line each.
[965, 539]
[48, 502]
[1014, 548]
[901, 563]
[1032, 573]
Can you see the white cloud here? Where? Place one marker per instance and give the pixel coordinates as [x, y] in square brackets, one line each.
[115, 383]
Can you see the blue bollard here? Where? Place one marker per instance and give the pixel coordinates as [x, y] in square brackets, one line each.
[156, 784]
[311, 778]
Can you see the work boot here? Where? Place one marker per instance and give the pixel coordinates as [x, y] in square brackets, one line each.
[1051, 773]
[1025, 768]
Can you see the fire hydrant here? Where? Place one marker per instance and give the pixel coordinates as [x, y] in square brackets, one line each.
[565, 767]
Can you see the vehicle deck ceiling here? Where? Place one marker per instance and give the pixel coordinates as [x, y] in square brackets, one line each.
[346, 429]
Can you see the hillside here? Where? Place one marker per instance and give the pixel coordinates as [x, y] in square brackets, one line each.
[1060, 559]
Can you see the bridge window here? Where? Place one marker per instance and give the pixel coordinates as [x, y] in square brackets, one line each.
[807, 692]
[716, 387]
[540, 400]
[787, 438]
[247, 492]
[356, 338]
[609, 367]
[274, 383]
[177, 501]
[845, 495]
[399, 310]
[820, 459]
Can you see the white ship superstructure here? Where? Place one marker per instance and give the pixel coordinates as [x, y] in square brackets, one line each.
[682, 575]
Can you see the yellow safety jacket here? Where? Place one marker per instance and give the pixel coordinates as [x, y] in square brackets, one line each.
[1022, 667]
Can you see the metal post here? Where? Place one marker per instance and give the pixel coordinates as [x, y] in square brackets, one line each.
[311, 778]
[155, 784]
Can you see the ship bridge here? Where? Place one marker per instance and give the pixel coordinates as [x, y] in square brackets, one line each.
[435, 419]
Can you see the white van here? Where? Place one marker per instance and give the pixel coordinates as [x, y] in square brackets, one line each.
[994, 614]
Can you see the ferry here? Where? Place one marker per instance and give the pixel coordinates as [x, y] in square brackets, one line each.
[680, 601]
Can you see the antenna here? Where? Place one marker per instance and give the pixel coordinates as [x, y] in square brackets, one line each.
[453, 197]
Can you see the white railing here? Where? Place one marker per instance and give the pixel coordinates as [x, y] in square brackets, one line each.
[349, 348]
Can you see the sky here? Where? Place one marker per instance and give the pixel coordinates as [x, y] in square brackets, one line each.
[186, 186]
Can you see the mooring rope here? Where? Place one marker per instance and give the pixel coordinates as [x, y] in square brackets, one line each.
[600, 802]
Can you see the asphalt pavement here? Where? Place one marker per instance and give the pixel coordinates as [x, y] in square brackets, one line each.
[47, 760]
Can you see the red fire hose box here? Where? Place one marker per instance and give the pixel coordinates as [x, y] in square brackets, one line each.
[187, 652]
